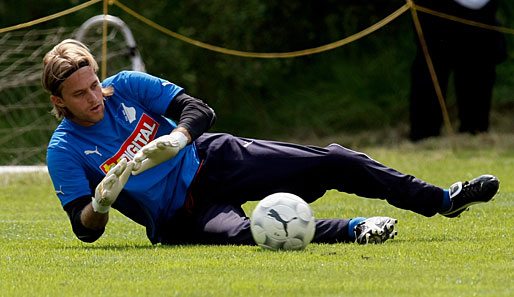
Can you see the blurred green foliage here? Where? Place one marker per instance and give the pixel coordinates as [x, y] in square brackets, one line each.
[363, 85]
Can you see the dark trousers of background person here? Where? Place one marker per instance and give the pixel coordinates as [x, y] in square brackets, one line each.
[471, 53]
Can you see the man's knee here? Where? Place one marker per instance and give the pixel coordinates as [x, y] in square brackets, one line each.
[226, 225]
[344, 158]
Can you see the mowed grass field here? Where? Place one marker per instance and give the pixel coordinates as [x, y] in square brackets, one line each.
[468, 256]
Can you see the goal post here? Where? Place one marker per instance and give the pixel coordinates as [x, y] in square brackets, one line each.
[130, 48]
[26, 123]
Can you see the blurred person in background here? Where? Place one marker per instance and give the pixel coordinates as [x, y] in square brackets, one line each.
[470, 52]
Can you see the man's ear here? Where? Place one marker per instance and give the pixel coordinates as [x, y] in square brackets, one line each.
[57, 100]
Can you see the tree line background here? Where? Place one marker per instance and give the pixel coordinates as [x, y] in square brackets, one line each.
[360, 86]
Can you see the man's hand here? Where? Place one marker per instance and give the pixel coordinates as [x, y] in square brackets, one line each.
[159, 150]
[110, 187]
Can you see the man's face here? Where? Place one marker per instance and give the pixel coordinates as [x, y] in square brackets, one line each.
[82, 95]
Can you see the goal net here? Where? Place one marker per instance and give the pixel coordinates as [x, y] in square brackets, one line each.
[26, 124]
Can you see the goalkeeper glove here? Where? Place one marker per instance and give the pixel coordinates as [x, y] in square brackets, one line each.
[111, 185]
[159, 150]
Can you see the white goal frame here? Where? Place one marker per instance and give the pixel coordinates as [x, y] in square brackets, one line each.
[25, 108]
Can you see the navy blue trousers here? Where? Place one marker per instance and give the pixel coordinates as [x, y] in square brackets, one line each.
[235, 170]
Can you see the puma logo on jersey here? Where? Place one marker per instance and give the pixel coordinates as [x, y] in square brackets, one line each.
[167, 83]
[144, 132]
[89, 152]
[59, 191]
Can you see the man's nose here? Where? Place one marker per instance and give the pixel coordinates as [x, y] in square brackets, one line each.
[91, 96]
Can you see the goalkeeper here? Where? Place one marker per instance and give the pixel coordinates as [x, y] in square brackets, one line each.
[117, 146]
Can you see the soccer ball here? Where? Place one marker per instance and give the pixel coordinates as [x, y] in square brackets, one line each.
[282, 221]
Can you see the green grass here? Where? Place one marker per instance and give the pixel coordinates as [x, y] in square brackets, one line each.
[469, 256]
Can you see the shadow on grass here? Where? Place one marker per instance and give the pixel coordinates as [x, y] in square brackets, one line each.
[148, 246]
[114, 247]
[145, 246]
[441, 238]
[179, 248]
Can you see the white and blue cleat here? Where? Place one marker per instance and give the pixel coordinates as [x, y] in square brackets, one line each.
[375, 230]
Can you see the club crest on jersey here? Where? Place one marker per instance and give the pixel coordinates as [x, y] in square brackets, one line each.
[143, 133]
[127, 113]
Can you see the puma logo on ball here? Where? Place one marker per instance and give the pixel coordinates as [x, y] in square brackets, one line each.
[274, 214]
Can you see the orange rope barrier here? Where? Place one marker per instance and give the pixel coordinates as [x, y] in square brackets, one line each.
[104, 39]
[433, 74]
[50, 17]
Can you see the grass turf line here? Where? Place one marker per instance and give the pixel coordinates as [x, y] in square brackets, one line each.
[470, 256]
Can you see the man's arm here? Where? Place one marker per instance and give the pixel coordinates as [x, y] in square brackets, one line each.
[194, 118]
[192, 114]
[93, 220]
[185, 132]
[87, 225]
[89, 217]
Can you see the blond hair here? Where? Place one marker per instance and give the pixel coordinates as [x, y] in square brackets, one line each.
[59, 63]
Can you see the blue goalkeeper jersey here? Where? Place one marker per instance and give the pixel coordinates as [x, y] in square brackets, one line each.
[78, 157]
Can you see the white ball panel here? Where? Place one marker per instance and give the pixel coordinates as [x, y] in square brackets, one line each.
[282, 221]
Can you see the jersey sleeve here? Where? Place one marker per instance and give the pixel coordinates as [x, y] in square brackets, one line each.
[152, 92]
[192, 113]
[68, 176]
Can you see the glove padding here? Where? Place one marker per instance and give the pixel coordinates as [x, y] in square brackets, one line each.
[111, 185]
[159, 150]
